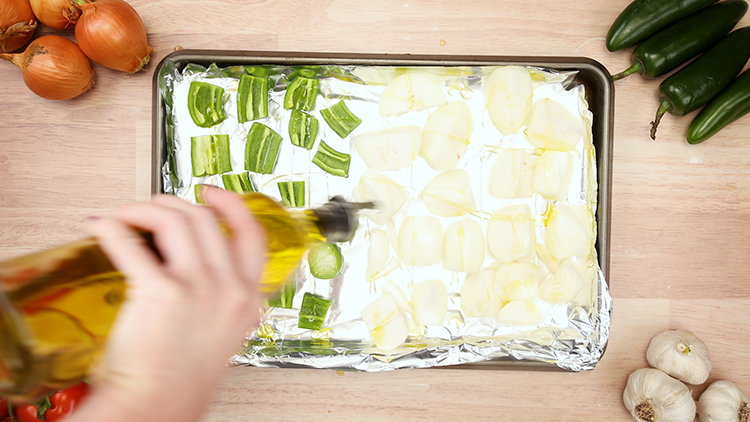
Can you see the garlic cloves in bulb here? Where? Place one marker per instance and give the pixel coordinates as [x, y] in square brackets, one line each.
[653, 396]
[680, 354]
[723, 401]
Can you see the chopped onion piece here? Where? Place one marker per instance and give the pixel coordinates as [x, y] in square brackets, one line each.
[552, 174]
[398, 294]
[420, 241]
[377, 254]
[429, 302]
[517, 281]
[463, 247]
[391, 148]
[385, 323]
[446, 134]
[520, 313]
[390, 230]
[510, 234]
[449, 194]
[382, 190]
[552, 126]
[478, 298]
[507, 96]
[569, 231]
[410, 92]
[561, 286]
[510, 176]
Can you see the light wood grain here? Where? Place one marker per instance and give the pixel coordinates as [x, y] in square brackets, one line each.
[680, 216]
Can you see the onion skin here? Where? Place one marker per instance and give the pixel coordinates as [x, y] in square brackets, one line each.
[54, 68]
[57, 14]
[17, 24]
[111, 33]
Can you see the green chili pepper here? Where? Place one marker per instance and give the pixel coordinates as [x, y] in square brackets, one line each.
[206, 104]
[252, 98]
[209, 154]
[704, 78]
[676, 44]
[340, 119]
[302, 129]
[642, 18]
[332, 161]
[730, 105]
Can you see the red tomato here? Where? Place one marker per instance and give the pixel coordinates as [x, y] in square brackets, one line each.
[54, 407]
[3, 407]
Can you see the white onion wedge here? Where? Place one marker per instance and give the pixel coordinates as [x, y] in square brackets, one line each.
[510, 175]
[377, 254]
[478, 298]
[507, 96]
[388, 195]
[449, 194]
[463, 247]
[429, 302]
[569, 231]
[510, 234]
[385, 322]
[410, 92]
[552, 174]
[446, 134]
[520, 313]
[399, 295]
[391, 148]
[561, 286]
[517, 281]
[420, 241]
[552, 126]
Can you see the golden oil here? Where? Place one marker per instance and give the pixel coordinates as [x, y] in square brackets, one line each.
[58, 306]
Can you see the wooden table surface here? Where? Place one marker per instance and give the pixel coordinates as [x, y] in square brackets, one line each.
[680, 213]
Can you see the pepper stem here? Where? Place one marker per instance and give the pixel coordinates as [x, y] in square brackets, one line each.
[636, 67]
[664, 106]
[10, 413]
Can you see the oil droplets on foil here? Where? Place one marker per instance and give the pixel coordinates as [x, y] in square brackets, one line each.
[460, 86]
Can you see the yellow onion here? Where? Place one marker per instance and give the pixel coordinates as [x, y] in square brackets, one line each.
[510, 175]
[54, 68]
[508, 93]
[517, 281]
[478, 298]
[112, 34]
[429, 302]
[17, 24]
[410, 92]
[57, 14]
[449, 194]
[463, 246]
[520, 313]
[510, 234]
[446, 134]
[420, 241]
[385, 322]
[569, 231]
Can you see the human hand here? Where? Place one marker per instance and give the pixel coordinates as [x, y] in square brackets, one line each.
[185, 316]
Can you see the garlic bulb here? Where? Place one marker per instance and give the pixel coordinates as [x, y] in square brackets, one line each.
[517, 281]
[552, 126]
[653, 396]
[463, 247]
[420, 241]
[552, 174]
[382, 190]
[569, 231]
[680, 354]
[385, 322]
[562, 285]
[449, 194]
[723, 402]
[478, 298]
[511, 174]
[507, 96]
[410, 92]
[520, 313]
[391, 148]
[446, 134]
[429, 302]
[510, 234]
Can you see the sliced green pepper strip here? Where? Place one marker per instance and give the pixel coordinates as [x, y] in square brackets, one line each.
[302, 129]
[285, 296]
[313, 311]
[340, 119]
[252, 98]
[292, 193]
[262, 149]
[209, 154]
[239, 183]
[200, 190]
[206, 104]
[325, 261]
[332, 161]
[301, 93]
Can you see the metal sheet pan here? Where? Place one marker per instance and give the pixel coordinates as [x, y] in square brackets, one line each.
[599, 94]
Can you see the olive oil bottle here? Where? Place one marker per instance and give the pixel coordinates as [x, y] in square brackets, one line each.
[57, 306]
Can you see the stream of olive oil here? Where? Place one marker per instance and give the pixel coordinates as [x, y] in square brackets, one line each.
[59, 305]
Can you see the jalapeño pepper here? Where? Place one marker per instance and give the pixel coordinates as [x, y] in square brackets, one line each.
[676, 44]
[701, 80]
[730, 105]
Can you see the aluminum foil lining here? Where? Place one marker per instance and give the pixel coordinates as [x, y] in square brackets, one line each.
[572, 336]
